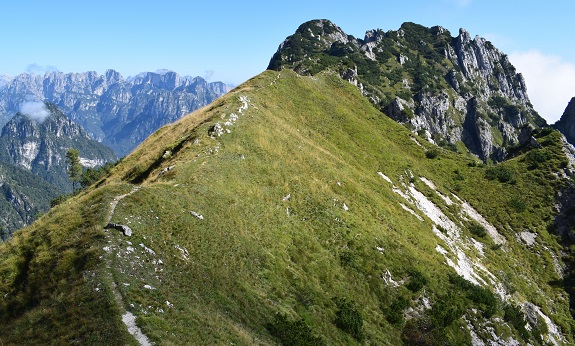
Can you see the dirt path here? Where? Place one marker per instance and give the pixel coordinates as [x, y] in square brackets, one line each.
[127, 317]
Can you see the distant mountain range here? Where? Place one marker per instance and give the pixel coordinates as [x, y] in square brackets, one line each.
[118, 112]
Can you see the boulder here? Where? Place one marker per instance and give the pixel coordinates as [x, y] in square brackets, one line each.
[123, 228]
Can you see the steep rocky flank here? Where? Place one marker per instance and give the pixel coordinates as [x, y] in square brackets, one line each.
[40, 146]
[23, 196]
[32, 163]
[449, 89]
[119, 112]
[566, 125]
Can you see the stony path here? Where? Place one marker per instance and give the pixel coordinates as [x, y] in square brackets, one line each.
[127, 317]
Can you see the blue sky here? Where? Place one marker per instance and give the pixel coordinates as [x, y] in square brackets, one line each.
[232, 41]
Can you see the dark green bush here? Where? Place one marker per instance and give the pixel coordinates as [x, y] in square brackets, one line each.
[394, 313]
[447, 309]
[502, 173]
[416, 281]
[538, 155]
[476, 229]
[432, 153]
[518, 204]
[458, 175]
[515, 317]
[293, 333]
[483, 298]
[349, 319]
[92, 175]
[58, 200]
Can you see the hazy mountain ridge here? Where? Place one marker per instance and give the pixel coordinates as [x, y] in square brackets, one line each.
[119, 112]
[454, 89]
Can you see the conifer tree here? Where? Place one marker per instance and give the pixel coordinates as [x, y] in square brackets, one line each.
[73, 166]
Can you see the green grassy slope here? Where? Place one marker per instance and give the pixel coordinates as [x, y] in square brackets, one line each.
[282, 229]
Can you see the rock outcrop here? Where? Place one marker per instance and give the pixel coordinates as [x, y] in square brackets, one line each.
[453, 89]
[127, 231]
[566, 125]
[119, 112]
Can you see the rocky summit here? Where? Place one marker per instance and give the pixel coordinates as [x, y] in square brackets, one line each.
[460, 92]
[119, 112]
[291, 211]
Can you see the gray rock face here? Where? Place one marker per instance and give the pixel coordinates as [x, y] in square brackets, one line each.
[488, 68]
[566, 125]
[119, 112]
[40, 146]
[565, 218]
[456, 89]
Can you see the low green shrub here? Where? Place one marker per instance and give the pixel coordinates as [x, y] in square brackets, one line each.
[502, 173]
[349, 319]
[518, 204]
[432, 153]
[476, 229]
[536, 157]
[394, 313]
[515, 317]
[292, 333]
[416, 281]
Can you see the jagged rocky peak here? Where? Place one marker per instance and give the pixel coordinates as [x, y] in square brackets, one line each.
[566, 125]
[113, 76]
[482, 63]
[324, 31]
[311, 38]
[452, 89]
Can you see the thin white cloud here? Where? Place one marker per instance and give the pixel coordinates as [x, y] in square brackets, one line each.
[550, 81]
[40, 69]
[35, 110]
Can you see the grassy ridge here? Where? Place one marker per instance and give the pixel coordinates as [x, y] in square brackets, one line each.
[282, 229]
